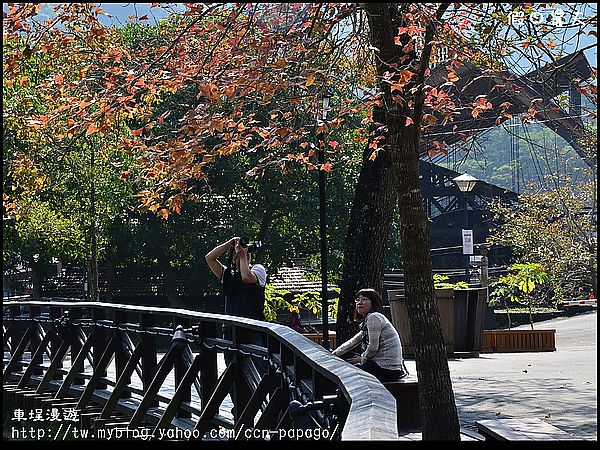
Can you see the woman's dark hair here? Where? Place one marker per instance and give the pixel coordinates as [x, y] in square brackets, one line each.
[376, 302]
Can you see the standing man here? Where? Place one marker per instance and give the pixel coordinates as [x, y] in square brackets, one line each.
[244, 289]
[243, 284]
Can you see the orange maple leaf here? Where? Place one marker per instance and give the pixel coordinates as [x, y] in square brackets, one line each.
[91, 129]
[164, 213]
[452, 77]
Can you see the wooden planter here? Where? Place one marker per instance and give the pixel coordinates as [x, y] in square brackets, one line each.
[496, 341]
[461, 314]
[318, 338]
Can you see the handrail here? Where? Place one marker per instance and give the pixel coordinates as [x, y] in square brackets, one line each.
[367, 412]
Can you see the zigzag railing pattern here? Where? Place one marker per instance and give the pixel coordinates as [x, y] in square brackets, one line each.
[169, 374]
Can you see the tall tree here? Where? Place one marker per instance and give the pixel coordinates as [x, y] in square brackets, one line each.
[402, 142]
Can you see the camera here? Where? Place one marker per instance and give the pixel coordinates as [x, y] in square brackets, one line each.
[245, 242]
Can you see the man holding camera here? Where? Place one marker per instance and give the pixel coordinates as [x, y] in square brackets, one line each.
[244, 289]
[243, 284]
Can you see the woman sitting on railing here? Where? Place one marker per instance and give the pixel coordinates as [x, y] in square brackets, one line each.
[381, 348]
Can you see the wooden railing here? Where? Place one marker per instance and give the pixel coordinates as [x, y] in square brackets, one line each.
[162, 370]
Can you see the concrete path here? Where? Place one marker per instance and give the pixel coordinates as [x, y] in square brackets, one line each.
[558, 387]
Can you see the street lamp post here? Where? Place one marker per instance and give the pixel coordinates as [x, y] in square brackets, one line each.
[322, 223]
[465, 184]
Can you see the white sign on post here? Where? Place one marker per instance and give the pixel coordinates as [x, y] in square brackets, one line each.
[467, 240]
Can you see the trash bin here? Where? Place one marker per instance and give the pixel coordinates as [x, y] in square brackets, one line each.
[469, 317]
[461, 313]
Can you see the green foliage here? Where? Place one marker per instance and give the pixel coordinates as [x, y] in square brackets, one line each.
[278, 301]
[555, 228]
[441, 282]
[522, 285]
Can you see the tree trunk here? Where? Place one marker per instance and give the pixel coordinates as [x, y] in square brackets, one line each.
[93, 267]
[594, 272]
[436, 397]
[111, 268]
[170, 281]
[38, 274]
[93, 280]
[265, 225]
[368, 234]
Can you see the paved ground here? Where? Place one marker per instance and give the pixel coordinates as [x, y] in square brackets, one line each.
[558, 387]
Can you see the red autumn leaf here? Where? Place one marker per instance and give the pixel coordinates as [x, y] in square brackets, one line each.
[92, 128]
[429, 118]
[44, 120]
[452, 77]
[144, 17]
[326, 167]
[282, 132]
[137, 132]
[408, 122]
[322, 129]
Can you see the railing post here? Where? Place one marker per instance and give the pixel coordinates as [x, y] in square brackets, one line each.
[55, 339]
[208, 369]
[36, 338]
[76, 345]
[119, 317]
[149, 360]
[241, 393]
[99, 340]
[180, 370]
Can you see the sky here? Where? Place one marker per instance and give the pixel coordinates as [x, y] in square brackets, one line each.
[122, 11]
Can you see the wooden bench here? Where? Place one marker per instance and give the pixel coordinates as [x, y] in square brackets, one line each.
[406, 393]
[521, 430]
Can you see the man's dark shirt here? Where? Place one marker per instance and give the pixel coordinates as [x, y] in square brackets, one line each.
[243, 299]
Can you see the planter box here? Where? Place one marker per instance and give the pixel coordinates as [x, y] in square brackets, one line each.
[461, 313]
[318, 338]
[505, 341]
